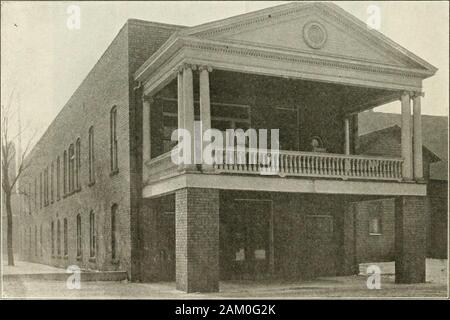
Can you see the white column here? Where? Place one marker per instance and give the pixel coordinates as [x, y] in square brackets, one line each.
[188, 104]
[406, 137]
[146, 144]
[180, 99]
[205, 105]
[347, 135]
[417, 137]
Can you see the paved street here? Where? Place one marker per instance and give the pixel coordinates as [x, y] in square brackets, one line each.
[351, 286]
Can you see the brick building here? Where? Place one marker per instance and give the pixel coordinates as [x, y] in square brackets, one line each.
[106, 195]
[380, 135]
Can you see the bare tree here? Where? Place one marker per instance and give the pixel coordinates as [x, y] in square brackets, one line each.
[9, 175]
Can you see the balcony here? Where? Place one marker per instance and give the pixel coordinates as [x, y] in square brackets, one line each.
[287, 164]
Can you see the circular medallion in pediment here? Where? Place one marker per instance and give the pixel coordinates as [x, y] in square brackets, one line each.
[314, 34]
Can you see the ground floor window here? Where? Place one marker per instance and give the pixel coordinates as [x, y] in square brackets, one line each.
[66, 249]
[53, 238]
[79, 247]
[41, 241]
[113, 231]
[35, 241]
[375, 218]
[92, 235]
[58, 237]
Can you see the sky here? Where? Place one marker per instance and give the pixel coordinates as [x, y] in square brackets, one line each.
[44, 61]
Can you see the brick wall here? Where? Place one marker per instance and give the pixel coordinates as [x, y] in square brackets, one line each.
[110, 83]
[197, 239]
[105, 86]
[410, 243]
[301, 249]
[144, 39]
[438, 215]
[375, 248]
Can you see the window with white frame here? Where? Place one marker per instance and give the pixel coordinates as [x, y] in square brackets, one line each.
[375, 218]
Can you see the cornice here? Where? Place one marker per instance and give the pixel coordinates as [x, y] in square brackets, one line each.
[241, 50]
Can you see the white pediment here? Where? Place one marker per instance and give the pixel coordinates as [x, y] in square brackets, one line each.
[309, 28]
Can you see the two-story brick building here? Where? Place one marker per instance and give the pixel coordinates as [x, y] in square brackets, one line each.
[106, 195]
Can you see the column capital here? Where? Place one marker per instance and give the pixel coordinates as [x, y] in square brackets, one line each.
[205, 67]
[417, 94]
[147, 98]
[186, 65]
[405, 93]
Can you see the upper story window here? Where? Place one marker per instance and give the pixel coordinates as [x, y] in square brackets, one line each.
[52, 177]
[29, 198]
[35, 193]
[58, 178]
[223, 116]
[65, 172]
[91, 156]
[40, 190]
[77, 163]
[113, 139]
[71, 168]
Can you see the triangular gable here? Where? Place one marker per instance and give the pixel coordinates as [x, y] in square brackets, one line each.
[302, 27]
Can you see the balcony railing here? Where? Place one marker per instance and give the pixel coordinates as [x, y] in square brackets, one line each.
[308, 164]
[289, 164]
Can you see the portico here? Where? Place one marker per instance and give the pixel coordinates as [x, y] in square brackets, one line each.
[253, 71]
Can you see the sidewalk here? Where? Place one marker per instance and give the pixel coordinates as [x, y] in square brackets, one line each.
[24, 270]
[436, 269]
[23, 267]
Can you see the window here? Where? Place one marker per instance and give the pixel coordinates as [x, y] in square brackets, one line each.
[91, 156]
[66, 247]
[65, 172]
[35, 193]
[113, 139]
[223, 116]
[53, 237]
[71, 168]
[52, 169]
[375, 221]
[58, 237]
[58, 179]
[46, 190]
[79, 243]
[92, 235]
[77, 163]
[29, 198]
[41, 241]
[40, 190]
[114, 231]
[35, 241]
